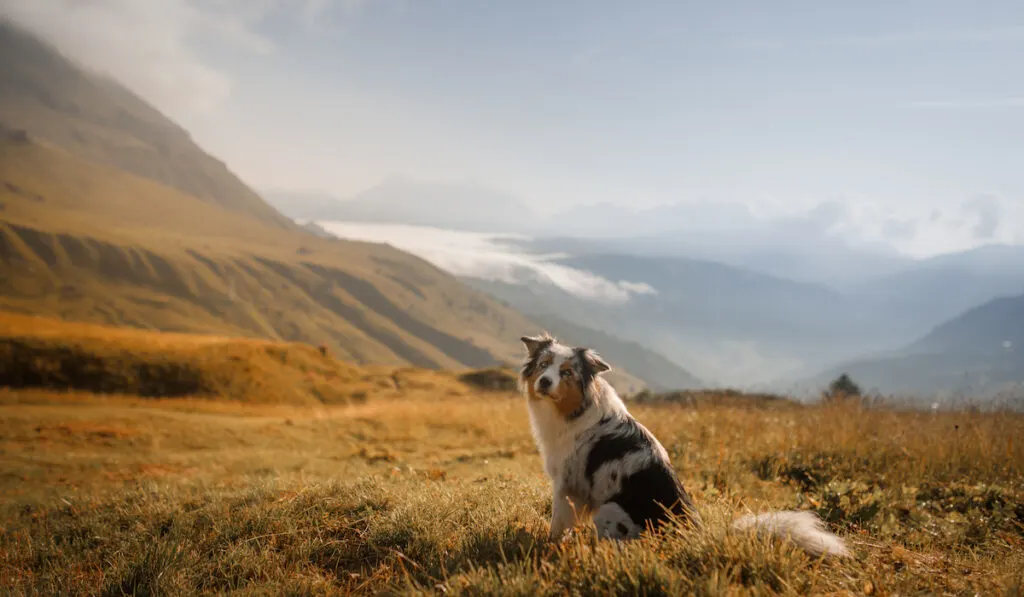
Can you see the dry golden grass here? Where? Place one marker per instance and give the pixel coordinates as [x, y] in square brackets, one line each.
[422, 493]
[437, 488]
[285, 471]
[40, 352]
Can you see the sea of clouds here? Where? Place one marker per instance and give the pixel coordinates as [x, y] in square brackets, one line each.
[495, 257]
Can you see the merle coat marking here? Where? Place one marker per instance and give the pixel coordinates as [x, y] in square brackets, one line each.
[603, 463]
[601, 460]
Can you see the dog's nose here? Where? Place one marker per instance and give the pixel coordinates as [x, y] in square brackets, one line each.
[544, 384]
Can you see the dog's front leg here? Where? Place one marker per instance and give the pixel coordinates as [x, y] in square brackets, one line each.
[563, 514]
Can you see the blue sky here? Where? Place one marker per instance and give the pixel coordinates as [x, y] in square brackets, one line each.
[785, 104]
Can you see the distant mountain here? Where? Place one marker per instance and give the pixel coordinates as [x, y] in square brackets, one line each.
[791, 254]
[930, 291]
[726, 325]
[979, 352]
[992, 328]
[95, 118]
[400, 200]
[801, 247]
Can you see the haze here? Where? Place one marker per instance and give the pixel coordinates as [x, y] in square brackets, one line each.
[907, 118]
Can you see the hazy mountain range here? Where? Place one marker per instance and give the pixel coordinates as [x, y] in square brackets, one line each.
[736, 300]
[978, 353]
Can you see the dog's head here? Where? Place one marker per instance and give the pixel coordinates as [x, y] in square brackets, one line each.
[559, 373]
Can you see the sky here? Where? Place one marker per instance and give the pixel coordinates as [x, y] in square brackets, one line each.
[909, 115]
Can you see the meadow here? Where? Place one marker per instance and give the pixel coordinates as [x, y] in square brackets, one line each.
[417, 482]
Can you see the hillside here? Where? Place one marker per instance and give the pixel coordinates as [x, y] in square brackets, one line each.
[980, 352]
[985, 329]
[91, 243]
[41, 353]
[97, 119]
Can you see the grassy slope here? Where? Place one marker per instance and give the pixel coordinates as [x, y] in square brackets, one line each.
[99, 120]
[86, 242]
[39, 352]
[433, 487]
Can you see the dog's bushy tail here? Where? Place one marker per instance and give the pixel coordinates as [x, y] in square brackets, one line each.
[801, 527]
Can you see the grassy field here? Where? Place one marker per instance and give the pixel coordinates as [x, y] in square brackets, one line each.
[430, 485]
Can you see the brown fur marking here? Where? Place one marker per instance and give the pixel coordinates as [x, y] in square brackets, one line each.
[568, 395]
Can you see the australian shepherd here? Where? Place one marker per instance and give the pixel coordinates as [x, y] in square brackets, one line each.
[604, 465]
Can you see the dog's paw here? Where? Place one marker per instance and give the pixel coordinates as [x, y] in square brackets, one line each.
[570, 535]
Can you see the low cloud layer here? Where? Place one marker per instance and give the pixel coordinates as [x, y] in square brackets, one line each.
[486, 257]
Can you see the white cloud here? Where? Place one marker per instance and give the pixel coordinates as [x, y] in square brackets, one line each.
[150, 45]
[484, 256]
[926, 230]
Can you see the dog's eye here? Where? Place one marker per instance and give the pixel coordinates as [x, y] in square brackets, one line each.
[565, 372]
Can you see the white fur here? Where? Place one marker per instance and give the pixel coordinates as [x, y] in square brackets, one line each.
[557, 438]
[799, 526]
[608, 520]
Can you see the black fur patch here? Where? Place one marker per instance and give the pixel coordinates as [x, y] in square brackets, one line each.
[530, 367]
[587, 368]
[649, 492]
[587, 373]
[625, 439]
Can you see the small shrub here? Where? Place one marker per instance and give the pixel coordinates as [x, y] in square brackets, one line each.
[842, 388]
[495, 379]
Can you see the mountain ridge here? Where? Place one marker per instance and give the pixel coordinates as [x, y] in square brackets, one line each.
[978, 352]
[46, 94]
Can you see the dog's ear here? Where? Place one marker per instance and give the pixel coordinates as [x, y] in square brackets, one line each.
[535, 343]
[593, 363]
